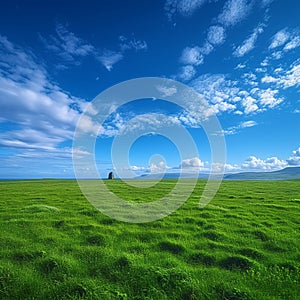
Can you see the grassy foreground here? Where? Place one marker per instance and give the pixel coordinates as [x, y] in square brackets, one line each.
[244, 245]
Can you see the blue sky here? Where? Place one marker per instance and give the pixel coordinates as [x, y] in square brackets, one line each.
[242, 56]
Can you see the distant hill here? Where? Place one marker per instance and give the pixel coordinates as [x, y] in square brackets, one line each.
[173, 176]
[284, 174]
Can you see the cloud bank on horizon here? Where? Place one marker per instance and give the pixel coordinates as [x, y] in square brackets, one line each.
[234, 53]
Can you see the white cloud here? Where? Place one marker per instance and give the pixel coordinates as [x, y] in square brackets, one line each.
[78, 153]
[87, 125]
[194, 56]
[287, 79]
[71, 43]
[266, 3]
[277, 55]
[186, 73]
[294, 159]
[188, 7]
[216, 35]
[234, 11]
[67, 45]
[268, 98]
[279, 39]
[46, 113]
[292, 77]
[71, 48]
[192, 164]
[129, 44]
[191, 56]
[206, 48]
[108, 58]
[249, 43]
[240, 66]
[238, 112]
[278, 70]
[265, 62]
[250, 78]
[216, 90]
[167, 91]
[268, 79]
[260, 70]
[289, 38]
[148, 122]
[272, 163]
[232, 168]
[225, 95]
[249, 104]
[247, 124]
[159, 167]
[294, 43]
[182, 7]
[223, 106]
[138, 168]
[235, 129]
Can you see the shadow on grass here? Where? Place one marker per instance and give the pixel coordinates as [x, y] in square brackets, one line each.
[239, 263]
[171, 247]
[202, 258]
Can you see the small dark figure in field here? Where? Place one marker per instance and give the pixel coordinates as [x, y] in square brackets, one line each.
[111, 175]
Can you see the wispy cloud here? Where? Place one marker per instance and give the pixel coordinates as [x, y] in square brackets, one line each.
[266, 3]
[191, 56]
[235, 129]
[186, 73]
[207, 48]
[293, 43]
[286, 79]
[250, 79]
[249, 104]
[249, 43]
[279, 39]
[216, 35]
[235, 11]
[292, 77]
[71, 49]
[268, 98]
[167, 91]
[240, 66]
[182, 7]
[216, 90]
[282, 42]
[46, 113]
[67, 45]
[246, 96]
[247, 124]
[109, 58]
[132, 44]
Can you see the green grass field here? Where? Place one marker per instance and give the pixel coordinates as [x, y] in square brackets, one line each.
[244, 245]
